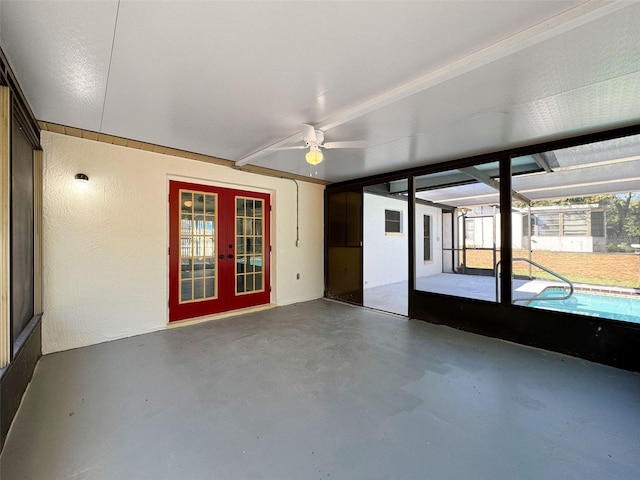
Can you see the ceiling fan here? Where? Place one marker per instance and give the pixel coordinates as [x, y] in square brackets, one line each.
[314, 141]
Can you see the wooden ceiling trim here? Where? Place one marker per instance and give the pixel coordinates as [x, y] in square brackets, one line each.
[277, 173]
[52, 127]
[90, 135]
[73, 132]
[121, 142]
[105, 138]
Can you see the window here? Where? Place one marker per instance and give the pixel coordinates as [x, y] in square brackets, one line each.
[392, 221]
[566, 224]
[469, 232]
[547, 224]
[574, 224]
[597, 224]
[427, 238]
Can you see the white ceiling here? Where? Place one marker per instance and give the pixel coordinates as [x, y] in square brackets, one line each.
[420, 82]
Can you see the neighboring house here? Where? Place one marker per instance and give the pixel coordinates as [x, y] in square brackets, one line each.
[558, 228]
[565, 228]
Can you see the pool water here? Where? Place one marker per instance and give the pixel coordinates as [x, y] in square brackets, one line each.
[616, 307]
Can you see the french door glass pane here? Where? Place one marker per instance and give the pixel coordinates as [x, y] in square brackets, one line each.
[249, 239]
[197, 246]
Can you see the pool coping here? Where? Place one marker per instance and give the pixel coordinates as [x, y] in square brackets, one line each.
[582, 287]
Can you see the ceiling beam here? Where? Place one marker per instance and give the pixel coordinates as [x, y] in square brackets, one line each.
[561, 23]
[428, 182]
[540, 159]
[487, 180]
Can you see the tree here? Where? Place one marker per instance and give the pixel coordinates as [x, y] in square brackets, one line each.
[623, 218]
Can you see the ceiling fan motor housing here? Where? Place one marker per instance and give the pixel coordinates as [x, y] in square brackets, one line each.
[318, 141]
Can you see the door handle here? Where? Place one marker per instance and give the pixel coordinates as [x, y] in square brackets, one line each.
[230, 255]
[221, 257]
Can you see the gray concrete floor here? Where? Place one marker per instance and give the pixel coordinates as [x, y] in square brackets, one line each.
[393, 297]
[322, 390]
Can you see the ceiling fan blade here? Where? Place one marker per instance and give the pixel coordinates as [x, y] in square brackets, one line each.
[308, 133]
[297, 147]
[355, 144]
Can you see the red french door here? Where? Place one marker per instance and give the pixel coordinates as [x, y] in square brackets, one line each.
[218, 250]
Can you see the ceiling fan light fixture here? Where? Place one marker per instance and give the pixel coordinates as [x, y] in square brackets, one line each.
[314, 156]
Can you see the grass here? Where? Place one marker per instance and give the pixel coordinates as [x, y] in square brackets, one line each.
[606, 269]
[609, 281]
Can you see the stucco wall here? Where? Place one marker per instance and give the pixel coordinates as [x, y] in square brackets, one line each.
[386, 256]
[105, 248]
[563, 244]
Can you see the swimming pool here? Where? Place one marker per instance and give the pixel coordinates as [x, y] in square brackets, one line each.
[615, 307]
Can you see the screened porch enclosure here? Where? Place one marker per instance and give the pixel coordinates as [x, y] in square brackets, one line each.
[574, 222]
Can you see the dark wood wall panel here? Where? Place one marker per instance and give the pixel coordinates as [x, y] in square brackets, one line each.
[343, 279]
[16, 377]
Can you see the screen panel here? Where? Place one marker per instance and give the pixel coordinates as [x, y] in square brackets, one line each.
[22, 253]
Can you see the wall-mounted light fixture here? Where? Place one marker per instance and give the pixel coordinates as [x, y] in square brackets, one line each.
[82, 180]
